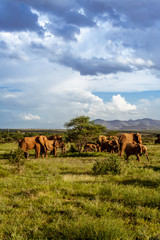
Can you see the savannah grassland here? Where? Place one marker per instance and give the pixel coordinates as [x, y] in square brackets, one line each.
[61, 198]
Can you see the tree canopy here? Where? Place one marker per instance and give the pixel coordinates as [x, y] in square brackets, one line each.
[82, 130]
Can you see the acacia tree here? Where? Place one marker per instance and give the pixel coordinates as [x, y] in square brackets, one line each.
[82, 130]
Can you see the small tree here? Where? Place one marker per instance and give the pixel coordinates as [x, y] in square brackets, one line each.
[81, 131]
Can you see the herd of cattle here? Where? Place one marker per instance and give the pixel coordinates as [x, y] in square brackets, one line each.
[130, 143]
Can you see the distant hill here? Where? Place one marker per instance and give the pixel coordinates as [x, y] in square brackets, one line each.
[139, 124]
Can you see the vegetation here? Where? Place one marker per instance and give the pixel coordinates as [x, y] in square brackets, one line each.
[108, 165]
[81, 130]
[14, 135]
[62, 198]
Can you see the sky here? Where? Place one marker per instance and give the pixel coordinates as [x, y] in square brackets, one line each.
[60, 59]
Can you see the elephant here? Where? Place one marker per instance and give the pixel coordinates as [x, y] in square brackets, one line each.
[40, 143]
[112, 138]
[58, 143]
[29, 143]
[55, 137]
[104, 146]
[114, 145]
[98, 147]
[91, 147]
[110, 146]
[102, 138]
[135, 149]
[47, 145]
[128, 138]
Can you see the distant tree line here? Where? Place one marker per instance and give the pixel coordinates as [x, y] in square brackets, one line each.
[14, 135]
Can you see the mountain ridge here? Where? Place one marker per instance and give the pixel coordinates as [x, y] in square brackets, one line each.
[138, 124]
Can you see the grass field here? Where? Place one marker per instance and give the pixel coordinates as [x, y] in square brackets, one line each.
[61, 198]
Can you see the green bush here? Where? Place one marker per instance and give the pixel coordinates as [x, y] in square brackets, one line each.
[15, 157]
[2, 140]
[106, 166]
[8, 139]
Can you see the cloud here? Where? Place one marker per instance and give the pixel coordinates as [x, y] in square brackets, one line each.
[85, 103]
[17, 16]
[55, 54]
[29, 117]
[65, 17]
[10, 95]
[3, 45]
[142, 80]
[125, 13]
[67, 32]
[138, 14]
[148, 107]
[93, 66]
[119, 103]
[113, 55]
[37, 46]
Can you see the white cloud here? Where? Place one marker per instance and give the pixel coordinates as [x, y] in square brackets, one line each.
[119, 103]
[10, 95]
[29, 117]
[143, 80]
[85, 103]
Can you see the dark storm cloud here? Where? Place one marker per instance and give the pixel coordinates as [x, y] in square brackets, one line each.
[52, 6]
[138, 13]
[72, 14]
[93, 66]
[127, 13]
[61, 29]
[65, 17]
[17, 16]
[99, 8]
[73, 17]
[67, 10]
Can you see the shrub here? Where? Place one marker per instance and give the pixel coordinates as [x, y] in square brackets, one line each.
[8, 139]
[15, 157]
[106, 166]
[2, 140]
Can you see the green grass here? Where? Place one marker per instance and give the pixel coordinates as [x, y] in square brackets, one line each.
[61, 198]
